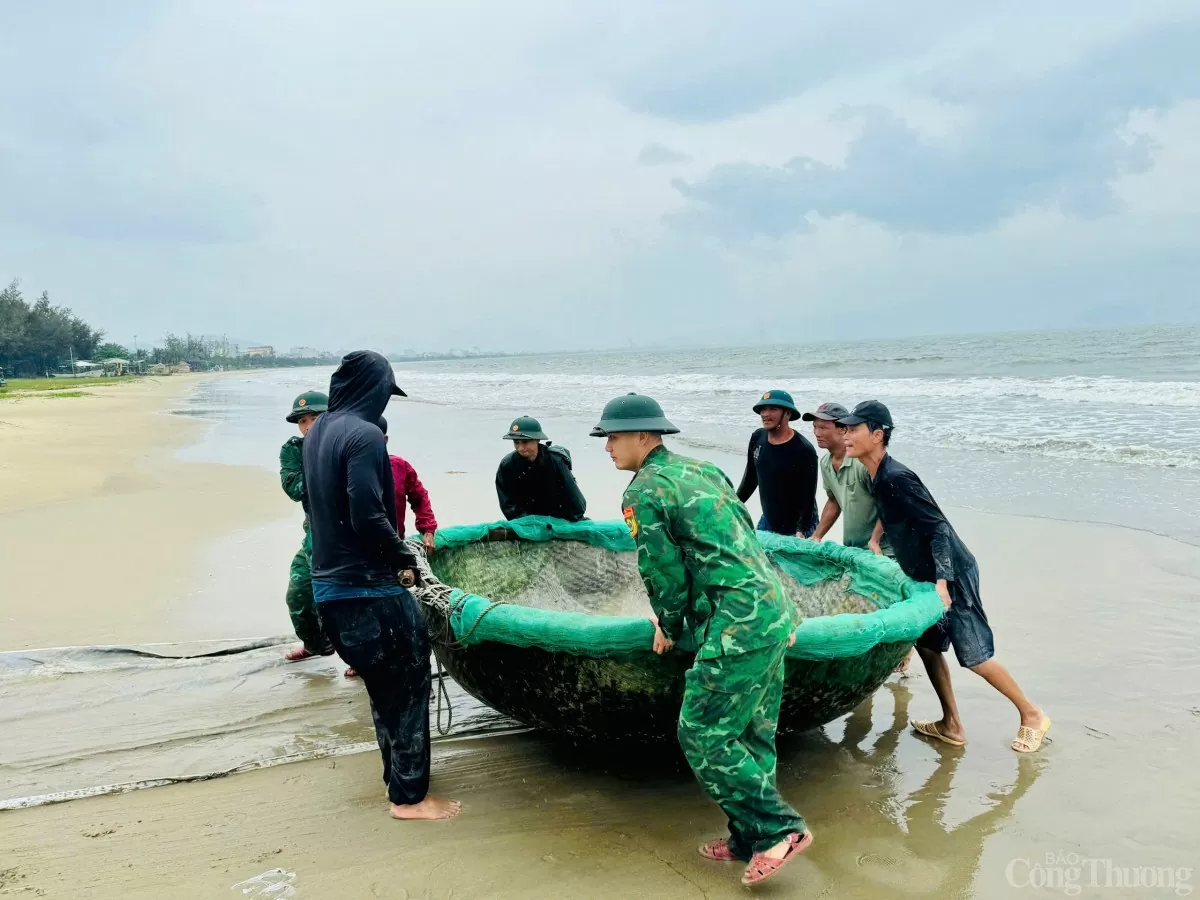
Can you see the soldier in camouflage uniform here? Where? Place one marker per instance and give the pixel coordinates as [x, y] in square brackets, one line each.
[307, 626]
[704, 569]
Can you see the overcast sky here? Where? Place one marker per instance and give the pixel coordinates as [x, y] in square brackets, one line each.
[540, 173]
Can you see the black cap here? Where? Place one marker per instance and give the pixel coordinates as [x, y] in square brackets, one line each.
[868, 411]
[827, 412]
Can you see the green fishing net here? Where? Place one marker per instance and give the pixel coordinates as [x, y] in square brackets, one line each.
[574, 588]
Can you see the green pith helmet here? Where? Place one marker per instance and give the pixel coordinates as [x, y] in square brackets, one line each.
[308, 403]
[633, 412]
[781, 399]
[525, 428]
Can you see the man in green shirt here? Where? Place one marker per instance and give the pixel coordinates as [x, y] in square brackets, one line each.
[847, 485]
[705, 570]
[301, 608]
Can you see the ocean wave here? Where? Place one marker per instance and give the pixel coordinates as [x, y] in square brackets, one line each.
[1081, 449]
[1069, 389]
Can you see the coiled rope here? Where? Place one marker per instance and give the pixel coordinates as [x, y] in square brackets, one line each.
[430, 591]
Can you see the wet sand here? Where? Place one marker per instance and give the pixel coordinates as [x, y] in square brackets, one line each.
[102, 529]
[1097, 623]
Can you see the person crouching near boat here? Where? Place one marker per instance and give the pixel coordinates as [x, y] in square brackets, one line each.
[928, 549]
[700, 559]
[535, 479]
[362, 571]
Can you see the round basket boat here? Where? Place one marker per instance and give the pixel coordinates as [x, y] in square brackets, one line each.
[546, 621]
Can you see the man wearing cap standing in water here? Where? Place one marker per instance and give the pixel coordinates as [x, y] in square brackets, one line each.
[782, 466]
[928, 549]
[702, 563]
[303, 613]
[536, 478]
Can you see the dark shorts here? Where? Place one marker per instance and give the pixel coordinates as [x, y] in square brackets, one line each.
[964, 626]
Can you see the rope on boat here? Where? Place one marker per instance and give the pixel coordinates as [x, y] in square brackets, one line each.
[433, 593]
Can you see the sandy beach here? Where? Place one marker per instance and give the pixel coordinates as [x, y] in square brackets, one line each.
[106, 532]
[98, 517]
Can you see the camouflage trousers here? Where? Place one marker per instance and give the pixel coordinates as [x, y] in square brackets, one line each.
[300, 603]
[727, 732]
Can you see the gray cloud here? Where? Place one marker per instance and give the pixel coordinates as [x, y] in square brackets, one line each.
[658, 155]
[405, 177]
[1048, 140]
[710, 60]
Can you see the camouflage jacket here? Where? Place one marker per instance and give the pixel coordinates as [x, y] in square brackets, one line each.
[701, 560]
[291, 469]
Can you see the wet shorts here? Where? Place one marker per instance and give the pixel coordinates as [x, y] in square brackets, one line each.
[964, 626]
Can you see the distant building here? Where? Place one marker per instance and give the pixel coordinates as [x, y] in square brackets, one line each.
[261, 351]
[182, 369]
[305, 353]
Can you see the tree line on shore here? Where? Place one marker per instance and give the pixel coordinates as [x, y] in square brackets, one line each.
[39, 339]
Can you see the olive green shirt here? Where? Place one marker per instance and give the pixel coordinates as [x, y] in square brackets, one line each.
[291, 470]
[700, 558]
[850, 487]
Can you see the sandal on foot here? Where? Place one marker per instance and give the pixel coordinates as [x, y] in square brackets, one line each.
[930, 729]
[1028, 739]
[349, 673]
[298, 654]
[717, 850]
[763, 867]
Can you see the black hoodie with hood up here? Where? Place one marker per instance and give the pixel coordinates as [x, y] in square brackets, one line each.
[348, 490]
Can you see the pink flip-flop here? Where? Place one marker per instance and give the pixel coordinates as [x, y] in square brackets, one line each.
[763, 867]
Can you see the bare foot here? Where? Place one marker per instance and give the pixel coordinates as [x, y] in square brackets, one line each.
[430, 808]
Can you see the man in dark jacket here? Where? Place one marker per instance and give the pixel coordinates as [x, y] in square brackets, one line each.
[536, 478]
[361, 569]
[929, 549]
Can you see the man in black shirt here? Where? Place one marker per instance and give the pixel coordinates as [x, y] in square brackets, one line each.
[536, 478]
[928, 549]
[782, 465]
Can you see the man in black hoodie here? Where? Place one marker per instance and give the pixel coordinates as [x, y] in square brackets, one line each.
[361, 569]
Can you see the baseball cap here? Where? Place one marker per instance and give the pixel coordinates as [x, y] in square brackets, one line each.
[828, 412]
[868, 411]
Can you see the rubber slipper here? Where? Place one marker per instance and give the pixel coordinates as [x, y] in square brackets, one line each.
[1031, 737]
[930, 729]
[717, 850]
[763, 867]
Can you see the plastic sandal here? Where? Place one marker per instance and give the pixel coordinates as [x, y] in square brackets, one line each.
[717, 850]
[763, 867]
[1030, 737]
[930, 729]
